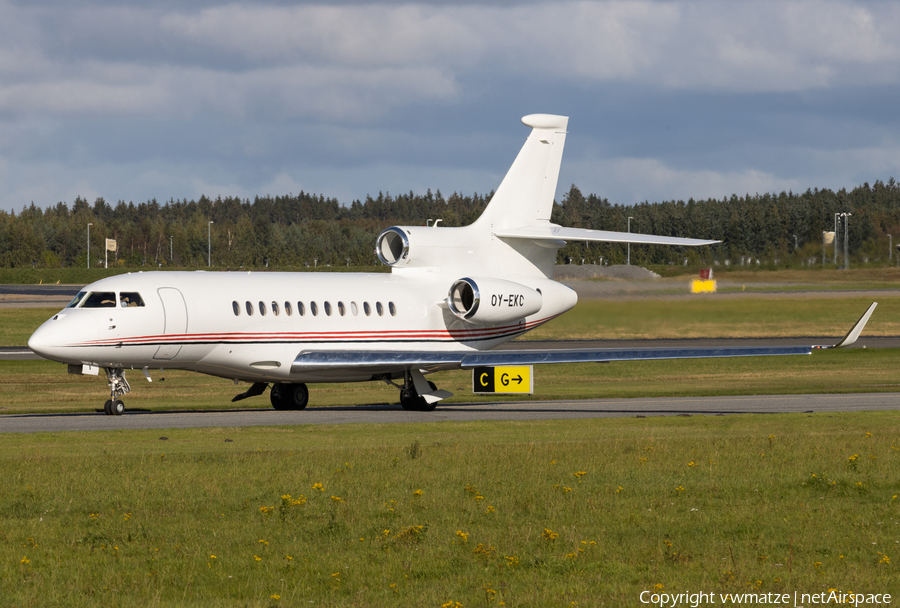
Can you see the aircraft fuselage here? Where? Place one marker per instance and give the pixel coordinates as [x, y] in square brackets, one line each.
[250, 326]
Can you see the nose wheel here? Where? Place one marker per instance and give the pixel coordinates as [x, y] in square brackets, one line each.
[118, 386]
[114, 407]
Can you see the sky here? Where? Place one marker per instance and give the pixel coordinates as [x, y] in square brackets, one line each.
[162, 99]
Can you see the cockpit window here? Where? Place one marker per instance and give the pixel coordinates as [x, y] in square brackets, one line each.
[130, 299]
[100, 299]
[76, 299]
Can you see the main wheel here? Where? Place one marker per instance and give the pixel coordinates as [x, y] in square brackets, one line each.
[117, 408]
[297, 396]
[289, 396]
[107, 407]
[412, 402]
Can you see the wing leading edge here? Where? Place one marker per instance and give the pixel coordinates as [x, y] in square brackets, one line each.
[389, 361]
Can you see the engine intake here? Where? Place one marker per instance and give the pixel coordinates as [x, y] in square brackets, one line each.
[392, 247]
[492, 300]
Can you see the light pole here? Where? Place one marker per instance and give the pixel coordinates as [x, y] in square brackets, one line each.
[890, 249]
[170, 247]
[835, 238]
[629, 244]
[209, 244]
[89, 245]
[846, 217]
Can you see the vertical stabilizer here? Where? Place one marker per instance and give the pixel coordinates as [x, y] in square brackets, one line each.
[525, 196]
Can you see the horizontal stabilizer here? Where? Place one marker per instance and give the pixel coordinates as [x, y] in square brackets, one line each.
[558, 233]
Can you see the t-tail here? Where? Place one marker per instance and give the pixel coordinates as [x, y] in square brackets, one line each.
[513, 237]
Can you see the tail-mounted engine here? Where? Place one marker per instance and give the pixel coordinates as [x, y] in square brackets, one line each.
[492, 300]
[392, 247]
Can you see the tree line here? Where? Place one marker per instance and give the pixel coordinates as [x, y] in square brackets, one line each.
[307, 229]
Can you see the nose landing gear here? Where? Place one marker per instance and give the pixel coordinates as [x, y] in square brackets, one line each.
[118, 387]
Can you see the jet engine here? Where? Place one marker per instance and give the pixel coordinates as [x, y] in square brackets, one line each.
[480, 300]
[392, 247]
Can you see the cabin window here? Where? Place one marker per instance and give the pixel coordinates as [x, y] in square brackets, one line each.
[76, 299]
[314, 309]
[237, 308]
[342, 309]
[328, 308]
[301, 309]
[100, 299]
[354, 309]
[275, 309]
[287, 309]
[262, 308]
[249, 309]
[392, 308]
[379, 308]
[130, 299]
[367, 309]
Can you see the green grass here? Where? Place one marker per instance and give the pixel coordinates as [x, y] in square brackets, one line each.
[542, 513]
[708, 316]
[44, 387]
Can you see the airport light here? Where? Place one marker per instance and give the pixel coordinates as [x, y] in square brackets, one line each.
[628, 262]
[835, 238]
[846, 217]
[209, 244]
[89, 245]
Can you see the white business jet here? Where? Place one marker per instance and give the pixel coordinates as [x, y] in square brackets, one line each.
[453, 294]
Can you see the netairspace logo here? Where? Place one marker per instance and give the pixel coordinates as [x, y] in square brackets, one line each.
[796, 599]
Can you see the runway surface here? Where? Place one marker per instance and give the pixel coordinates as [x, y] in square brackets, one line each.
[522, 410]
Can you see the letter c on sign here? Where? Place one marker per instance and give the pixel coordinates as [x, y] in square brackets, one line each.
[482, 379]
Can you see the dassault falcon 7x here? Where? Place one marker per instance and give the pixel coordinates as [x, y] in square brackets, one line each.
[452, 295]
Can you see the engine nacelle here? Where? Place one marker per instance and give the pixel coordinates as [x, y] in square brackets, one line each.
[480, 300]
[392, 247]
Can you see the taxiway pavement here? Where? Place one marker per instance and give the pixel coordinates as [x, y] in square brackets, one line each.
[458, 412]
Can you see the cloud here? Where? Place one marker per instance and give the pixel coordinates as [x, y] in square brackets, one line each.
[137, 100]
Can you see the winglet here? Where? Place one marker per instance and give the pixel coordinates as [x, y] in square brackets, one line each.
[854, 332]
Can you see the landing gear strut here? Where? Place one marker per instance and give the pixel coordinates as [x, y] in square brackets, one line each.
[411, 401]
[118, 387]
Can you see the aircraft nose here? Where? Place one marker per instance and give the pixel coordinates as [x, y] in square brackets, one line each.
[57, 339]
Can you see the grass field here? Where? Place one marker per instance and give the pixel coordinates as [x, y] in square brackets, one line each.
[545, 513]
[44, 387]
[711, 317]
[462, 515]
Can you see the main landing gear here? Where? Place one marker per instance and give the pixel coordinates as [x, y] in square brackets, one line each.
[412, 402]
[118, 387]
[289, 396]
[413, 391]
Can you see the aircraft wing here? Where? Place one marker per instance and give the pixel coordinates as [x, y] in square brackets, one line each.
[390, 360]
[386, 361]
[558, 233]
